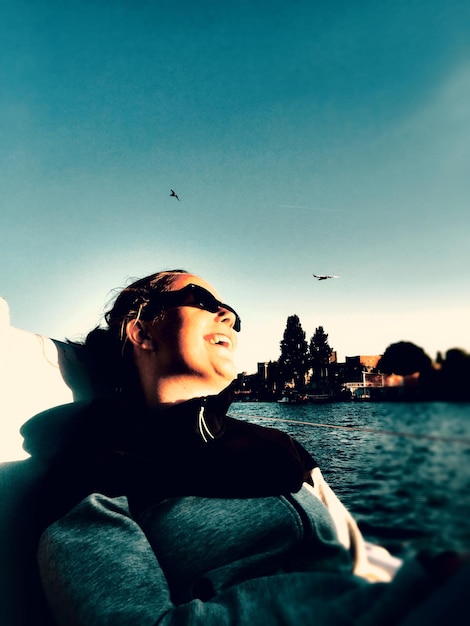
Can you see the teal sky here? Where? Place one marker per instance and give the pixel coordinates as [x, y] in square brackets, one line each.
[302, 137]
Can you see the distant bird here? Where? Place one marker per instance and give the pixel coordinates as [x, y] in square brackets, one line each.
[172, 193]
[325, 276]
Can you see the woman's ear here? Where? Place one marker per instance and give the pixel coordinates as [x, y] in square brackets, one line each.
[137, 334]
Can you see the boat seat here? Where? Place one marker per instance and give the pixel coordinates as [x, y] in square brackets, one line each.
[36, 373]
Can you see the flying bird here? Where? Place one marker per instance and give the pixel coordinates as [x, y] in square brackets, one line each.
[325, 276]
[172, 193]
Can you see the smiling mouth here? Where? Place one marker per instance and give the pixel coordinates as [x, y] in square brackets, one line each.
[220, 340]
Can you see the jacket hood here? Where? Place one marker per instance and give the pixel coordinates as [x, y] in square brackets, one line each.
[48, 433]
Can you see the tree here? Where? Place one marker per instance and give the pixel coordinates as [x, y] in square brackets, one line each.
[293, 362]
[319, 353]
[455, 374]
[403, 358]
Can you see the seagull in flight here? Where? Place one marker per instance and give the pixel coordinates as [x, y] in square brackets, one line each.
[172, 193]
[325, 276]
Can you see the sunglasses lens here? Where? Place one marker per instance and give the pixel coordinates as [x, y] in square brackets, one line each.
[238, 324]
[208, 302]
[205, 300]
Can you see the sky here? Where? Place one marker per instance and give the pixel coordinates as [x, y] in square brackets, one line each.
[301, 136]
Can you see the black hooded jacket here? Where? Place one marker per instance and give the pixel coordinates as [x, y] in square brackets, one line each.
[109, 446]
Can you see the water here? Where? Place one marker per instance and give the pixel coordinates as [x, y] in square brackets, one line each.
[402, 469]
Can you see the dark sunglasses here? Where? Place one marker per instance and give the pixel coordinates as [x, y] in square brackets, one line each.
[192, 295]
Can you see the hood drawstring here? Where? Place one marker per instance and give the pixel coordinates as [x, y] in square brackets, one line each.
[203, 428]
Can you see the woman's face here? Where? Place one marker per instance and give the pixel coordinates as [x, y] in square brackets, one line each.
[195, 344]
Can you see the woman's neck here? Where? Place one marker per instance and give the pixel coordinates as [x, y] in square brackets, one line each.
[176, 390]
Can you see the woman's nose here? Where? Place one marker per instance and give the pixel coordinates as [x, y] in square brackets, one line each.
[225, 316]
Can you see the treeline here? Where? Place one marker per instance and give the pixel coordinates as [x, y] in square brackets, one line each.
[448, 378]
[305, 365]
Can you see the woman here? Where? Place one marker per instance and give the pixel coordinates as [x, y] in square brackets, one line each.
[167, 511]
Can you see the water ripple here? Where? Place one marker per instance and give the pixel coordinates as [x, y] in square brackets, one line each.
[404, 472]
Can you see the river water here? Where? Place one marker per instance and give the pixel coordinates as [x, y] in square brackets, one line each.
[402, 469]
